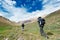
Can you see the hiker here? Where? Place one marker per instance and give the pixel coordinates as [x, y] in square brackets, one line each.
[22, 26]
[41, 22]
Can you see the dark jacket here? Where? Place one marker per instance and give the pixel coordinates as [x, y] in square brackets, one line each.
[41, 21]
[22, 25]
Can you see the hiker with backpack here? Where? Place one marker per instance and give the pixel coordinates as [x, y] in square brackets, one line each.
[41, 22]
[22, 26]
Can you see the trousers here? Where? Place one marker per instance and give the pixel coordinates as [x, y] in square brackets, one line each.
[42, 31]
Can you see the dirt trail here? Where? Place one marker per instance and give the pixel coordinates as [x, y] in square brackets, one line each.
[31, 36]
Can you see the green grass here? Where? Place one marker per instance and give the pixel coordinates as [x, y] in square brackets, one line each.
[4, 27]
[4, 30]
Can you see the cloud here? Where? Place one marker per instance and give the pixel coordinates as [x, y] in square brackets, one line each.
[1, 14]
[21, 14]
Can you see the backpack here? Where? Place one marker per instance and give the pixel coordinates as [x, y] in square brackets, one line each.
[42, 21]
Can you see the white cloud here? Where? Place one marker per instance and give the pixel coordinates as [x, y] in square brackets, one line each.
[10, 2]
[20, 14]
[1, 14]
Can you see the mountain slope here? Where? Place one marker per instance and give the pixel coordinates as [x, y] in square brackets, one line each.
[4, 20]
[5, 27]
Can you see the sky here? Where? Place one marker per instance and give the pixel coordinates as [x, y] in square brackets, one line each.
[20, 10]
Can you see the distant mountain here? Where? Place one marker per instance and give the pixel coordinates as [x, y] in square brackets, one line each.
[28, 21]
[4, 20]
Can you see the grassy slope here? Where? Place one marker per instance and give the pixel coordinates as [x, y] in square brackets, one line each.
[5, 27]
[53, 25]
[32, 30]
[4, 30]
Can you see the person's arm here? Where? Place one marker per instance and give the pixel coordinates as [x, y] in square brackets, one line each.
[44, 21]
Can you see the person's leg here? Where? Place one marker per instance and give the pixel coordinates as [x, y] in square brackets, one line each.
[22, 28]
[42, 31]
